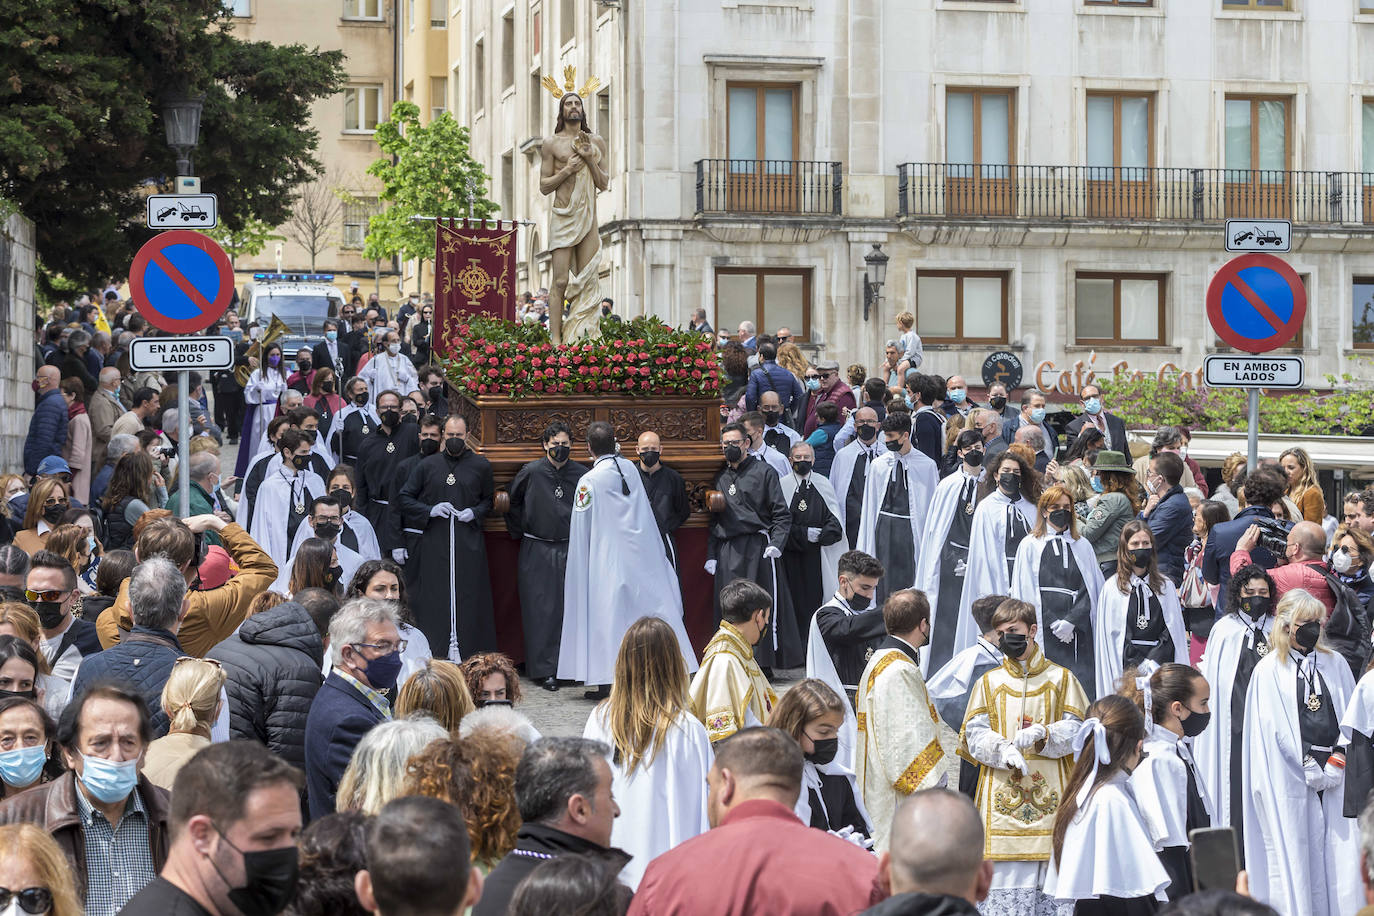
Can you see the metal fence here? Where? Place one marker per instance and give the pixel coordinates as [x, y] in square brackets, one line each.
[776, 186]
[1066, 192]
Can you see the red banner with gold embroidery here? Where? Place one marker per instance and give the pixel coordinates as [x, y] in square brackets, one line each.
[474, 272]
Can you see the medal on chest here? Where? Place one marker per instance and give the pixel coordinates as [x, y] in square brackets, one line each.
[1142, 617]
[1314, 702]
[450, 480]
[391, 447]
[968, 508]
[801, 506]
[558, 491]
[733, 490]
[300, 505]
[365, 429]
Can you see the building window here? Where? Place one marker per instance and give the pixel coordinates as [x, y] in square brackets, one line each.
[762, 123]
[1367, 133]
[438, 14]
[241, 8]
[962, 306]
[567, 21]
[603, 115]
[1362, 311]
[536, 33]
[1367, 6]
[1114, 309]
[356, 214]
[438, 93]
[1254, 4]
[979, 131]
[508, 185]
[1120, 130]
[1258, 157]
[479, 76]
[536, 92]
[508, 51]
[410, 14]
[362, 107]
[1136, 3]
[769, 297]
[362, 9]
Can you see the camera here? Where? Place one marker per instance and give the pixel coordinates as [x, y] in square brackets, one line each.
[1273, 536]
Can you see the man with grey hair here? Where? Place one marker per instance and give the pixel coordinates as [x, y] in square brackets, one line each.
[74, 364]
[563, 789]
[1167, 439]
[119, 445]
[144, 659]
[104, 409]
[934, 871]
[205, 475]
[1033, 437]
[14, 569]
[365, 646]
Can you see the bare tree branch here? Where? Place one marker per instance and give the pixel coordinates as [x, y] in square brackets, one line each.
[315, 216]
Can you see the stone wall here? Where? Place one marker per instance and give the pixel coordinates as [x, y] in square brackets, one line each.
[18, 263]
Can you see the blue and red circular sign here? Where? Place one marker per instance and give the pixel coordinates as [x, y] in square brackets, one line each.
[181, 281]
[1256, 303]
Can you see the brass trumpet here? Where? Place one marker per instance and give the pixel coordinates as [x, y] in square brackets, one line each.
[276, 330]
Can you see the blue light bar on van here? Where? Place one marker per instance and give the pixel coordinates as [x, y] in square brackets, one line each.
[296, 278]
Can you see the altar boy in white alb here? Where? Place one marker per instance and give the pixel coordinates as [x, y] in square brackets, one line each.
[617, 570]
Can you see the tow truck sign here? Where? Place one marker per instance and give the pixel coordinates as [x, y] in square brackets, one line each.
[183, 211]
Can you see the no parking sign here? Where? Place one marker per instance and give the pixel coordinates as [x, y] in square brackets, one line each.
[181, 281]
[1256, 303]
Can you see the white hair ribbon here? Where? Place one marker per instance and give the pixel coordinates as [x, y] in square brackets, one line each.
[1146, 670]
[1091, 727]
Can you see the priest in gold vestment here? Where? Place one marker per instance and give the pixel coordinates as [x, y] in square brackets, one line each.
[1019, 727]
[729, 691]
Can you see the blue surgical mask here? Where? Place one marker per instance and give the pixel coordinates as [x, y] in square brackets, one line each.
[1038, 415]
[1092, 406]
[90, 543]
[331, 336]
[108, 781]
[906, 396]
[21, 767]
[813, 384]
[1097, 484]
[957, 395]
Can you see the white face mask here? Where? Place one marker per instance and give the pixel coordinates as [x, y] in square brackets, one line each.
[1183, 452]
[393, 348]
[1341, 561]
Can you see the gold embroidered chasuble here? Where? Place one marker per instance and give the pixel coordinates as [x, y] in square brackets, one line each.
[729, 691]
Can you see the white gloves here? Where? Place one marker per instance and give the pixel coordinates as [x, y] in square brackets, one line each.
[1335, 775]
[1027, 737]
[710, 567]
[771, 553]
[1012, 759]
[442, 510]
[1314, 775]
[847, 832]
[1062, 630]
[813, 534]
[400, 555]
[464, 516]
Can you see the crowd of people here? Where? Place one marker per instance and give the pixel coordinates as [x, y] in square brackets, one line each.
[1033, 667]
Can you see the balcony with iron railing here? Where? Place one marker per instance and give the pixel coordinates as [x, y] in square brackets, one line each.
[934, 190]
[777, 187]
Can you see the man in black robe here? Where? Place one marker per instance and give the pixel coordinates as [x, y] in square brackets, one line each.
[745, 541]
[850, 623]
[396, 540]
[849, 471]
[666, 491]
[541, 501]
[356, 425]
[447, 497]
[814, 528]
[378, 455]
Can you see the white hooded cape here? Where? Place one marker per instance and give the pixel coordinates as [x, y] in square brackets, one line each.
[945, 503]
[987, 562]
[1160, 786]
[1110, 631]
[1107, 851]
[272, 508]
[831, 553]
[922, 478]
[841, 471]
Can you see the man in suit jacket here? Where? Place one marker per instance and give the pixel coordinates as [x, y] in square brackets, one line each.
[365, 645]
[1095, 414]
[1263, 488]
[334, 353]
[1032, 413]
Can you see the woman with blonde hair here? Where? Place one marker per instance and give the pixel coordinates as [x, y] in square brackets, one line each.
[1139, 617]
[813, 713]
[35, 871]
[73, 544]
[21, 621]
[791, 358]
[1303, 488]
[438, 689]
[191, 699]
[1302, 853]
[49, 500]
[1056, 570]
[377, 771]
[660, 751]
[477, 774]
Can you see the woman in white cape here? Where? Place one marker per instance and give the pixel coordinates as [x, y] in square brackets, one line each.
[660, 753]
[1138, 614]
[1301, 852]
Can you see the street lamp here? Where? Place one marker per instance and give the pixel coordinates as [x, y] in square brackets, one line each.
[181, 118]
[875, 273]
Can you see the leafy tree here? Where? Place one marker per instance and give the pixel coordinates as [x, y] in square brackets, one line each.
[81, 90]
[249, 239]
[424, 172]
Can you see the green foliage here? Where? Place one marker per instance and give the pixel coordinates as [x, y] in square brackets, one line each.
[249, 239]
[424, 172]
[81, 90]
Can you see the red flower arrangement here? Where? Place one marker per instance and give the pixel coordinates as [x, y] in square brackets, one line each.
[643, 358]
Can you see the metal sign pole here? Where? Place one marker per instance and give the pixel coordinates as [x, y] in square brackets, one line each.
[1253, 434]
[184, 443]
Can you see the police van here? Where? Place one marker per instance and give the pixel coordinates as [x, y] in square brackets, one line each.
[300, 301]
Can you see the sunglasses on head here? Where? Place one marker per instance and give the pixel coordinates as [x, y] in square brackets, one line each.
[31, 899]
[53, 595]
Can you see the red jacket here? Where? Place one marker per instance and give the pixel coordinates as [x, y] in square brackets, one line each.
[840, 393]
[1291, 576]
[760, 861]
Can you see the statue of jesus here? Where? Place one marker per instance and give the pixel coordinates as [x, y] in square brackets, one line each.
[573, 170]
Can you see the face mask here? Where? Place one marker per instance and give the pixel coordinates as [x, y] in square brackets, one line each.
[382, 671]
[825, 751]
[1059, 518]
[649, 459]
[1183, 452]
[344, 497]
[812, 384]
[859, 602]
[90, 539]
[334, 573]
[771, 417]
[733, 453]
[269, 879]
[274, 360]
[1255, 606]
[22, 767]
[485, 703]
[1013, 644]
[1038, 416]
[1141, 556]
[453, 446]
[331, 336]
[391, 418]
[393, 348]
[303, 365]
[410, 418]
[910, 404]
[360, 399]
[109, 782]
[867, 433]
[435, 393]
[802, 468]
[49, 613]
[327, 387]
[428, 447]
[998, 402]
[300, 462]
[957, 395]
[974, 457]
[1195, 724]
[53, 514]
[310, 435]
[560, 453]
[327, 529]
[894, 445]
[1340, 561]
[1097, 484]
[1093, 406]
[1009, 483]
[1305, 637]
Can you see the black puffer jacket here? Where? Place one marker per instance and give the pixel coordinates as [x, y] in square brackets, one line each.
[273, 666]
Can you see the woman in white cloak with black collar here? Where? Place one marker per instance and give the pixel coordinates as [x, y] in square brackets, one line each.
[1138, 615]
[1301, 852]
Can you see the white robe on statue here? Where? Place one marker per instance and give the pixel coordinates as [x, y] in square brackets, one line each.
[987, 560]
[272, 509]
[669, 793]
[1107, 851]
[1302, 854]
[1110, 631]
[617, 573]
[841, 472]
[922, 477]
[1212, 748]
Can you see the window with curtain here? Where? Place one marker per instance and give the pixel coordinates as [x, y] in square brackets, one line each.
[240, 8]
[1362, 312]
[438, 14]
[479, 76]
[978, 131]
[438, 96]
[567, 21]
[1118, 308]
[761, 122]
[1146, 3]
[508, 51]
[1255, 4]
[362, 9]
[1256, 135]
[1119, 132]
[362, 107]
[1367, 137]
[962, 306]
[356, 213]
[536, 32]
[769, 297]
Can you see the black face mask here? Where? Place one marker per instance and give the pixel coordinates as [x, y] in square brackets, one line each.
[649, 458]
[435, 393]
[303, 367]
[269, 879]
[428, 447]
[771, 417]
[391, 418]
[733, 453]
[49, 613]
[344, 497]
[1196, 723]
[1305, 637]
[360, 399]
[1255, 606]
[327, 387]
[453, 446]
[894, 445]
[410, 418]
[53, 514]
[802, 468]
[1009, 483]
[485, 703]
[300, 462]
[334, 573]
[560, 453]
[974, 458]
[26, 694]
[826, 749]
[1141, 556]
[860, 602]
[327, 530]
[1013, 645]
[310, 435]
[1059, 518]
[867, 433]
[998, 402]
